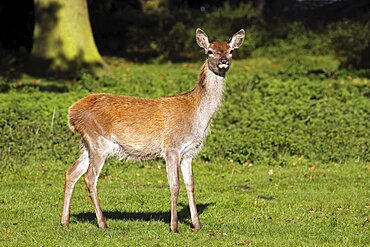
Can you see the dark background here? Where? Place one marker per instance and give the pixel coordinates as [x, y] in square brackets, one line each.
[165, 30]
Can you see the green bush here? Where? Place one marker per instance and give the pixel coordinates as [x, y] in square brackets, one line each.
[169, 34]
[33, 128]
[164, 34]
[274, 110]
[223, 22]
[347, 40]
[351, 42]
[280, 108]
[268, 120]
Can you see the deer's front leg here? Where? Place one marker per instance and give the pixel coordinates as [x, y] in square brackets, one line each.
[187, 174]
[172, 161]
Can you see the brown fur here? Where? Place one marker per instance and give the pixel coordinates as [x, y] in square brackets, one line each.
[139, 121]
[219, 46]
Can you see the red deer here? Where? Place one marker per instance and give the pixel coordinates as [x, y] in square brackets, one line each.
[172, 128]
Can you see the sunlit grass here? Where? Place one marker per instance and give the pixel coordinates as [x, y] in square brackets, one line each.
[303, 204]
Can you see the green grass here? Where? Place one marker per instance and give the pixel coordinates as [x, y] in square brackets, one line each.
[286, 162]
[308, 204]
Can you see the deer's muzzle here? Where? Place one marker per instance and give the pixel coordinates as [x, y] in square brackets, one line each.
[224, 63]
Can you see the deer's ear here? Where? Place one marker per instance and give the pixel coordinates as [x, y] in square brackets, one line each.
[237, 39]
[202, 39]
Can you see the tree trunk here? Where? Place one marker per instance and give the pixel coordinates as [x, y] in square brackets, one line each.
[63, 42]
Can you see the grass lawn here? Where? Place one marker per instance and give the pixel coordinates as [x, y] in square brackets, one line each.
[303, 204]
[286, 162]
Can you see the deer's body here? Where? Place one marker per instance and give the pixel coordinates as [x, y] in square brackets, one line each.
[141, 128]
[172, 128]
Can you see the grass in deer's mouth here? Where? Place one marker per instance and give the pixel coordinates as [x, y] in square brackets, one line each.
[286, 161]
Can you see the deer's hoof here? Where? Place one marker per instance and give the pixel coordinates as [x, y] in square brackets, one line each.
[196, 227]
[174, 230]
[64, 222]
[103, 225]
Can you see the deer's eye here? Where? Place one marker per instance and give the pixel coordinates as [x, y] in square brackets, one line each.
[210, 52]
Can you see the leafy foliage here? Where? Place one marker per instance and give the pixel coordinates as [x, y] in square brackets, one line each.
[168, 34]
[295, 110]
[274, 109]
[351, 41]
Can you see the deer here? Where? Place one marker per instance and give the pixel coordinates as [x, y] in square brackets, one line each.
[172, 128]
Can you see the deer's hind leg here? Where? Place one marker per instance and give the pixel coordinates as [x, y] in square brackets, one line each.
[72, 175]
[98, 153]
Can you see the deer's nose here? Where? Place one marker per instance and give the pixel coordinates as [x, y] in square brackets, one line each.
[224, 60]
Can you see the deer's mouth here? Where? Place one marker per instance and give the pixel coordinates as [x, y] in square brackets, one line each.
[223, 63]
[223, 66]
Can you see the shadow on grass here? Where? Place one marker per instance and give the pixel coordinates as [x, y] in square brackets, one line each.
[183, 215]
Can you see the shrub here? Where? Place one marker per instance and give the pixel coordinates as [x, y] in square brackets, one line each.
[168, 34]
[351, 42]
[274, 109]
[269, 117]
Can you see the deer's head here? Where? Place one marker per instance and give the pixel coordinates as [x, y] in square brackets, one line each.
[219, 53]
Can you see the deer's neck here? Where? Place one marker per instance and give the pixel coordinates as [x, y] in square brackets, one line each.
[209, 91]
